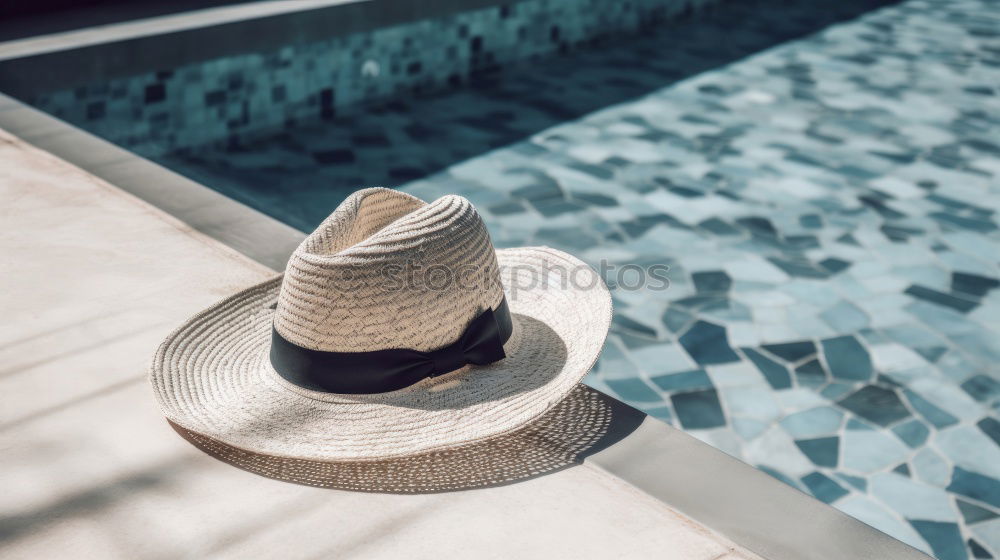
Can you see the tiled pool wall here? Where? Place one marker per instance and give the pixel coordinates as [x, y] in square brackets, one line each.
[229, 98]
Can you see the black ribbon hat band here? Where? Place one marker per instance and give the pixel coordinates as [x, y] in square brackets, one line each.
[381, 371]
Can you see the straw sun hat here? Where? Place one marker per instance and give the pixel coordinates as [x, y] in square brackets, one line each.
[399, 352]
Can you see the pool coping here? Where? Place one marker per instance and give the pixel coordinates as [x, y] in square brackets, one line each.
[746, 505]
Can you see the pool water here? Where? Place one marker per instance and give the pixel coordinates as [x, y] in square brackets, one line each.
[824, 195]
[298, 174]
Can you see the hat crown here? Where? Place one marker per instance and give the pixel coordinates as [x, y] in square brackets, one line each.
[387, 270]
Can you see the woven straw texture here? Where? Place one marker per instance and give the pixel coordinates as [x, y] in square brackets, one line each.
[212, 377]
[340, 292]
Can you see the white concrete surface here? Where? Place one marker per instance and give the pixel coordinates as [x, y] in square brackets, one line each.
[92, 280]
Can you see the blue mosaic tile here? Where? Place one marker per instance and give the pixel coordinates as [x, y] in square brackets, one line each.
[633, 390]
[982, 388]
[506, 208]
[987, 533]
[847, 358]
[698, 409]
[972, 513]
[594, 199]
[976, 486]
[835, 390]
[683, 381]
[858, 425]
[655, 359]
[913, 433]
[822, 452]
[963, 222]
[991, 427]
[811, 374]
[751, 402]
[931, 468]
[633, 340]
[941, 298]
[748, 428]
[792, 351]
[867, 451]
[855, 481]
[845, 317]
[969, 448]
[945, 538]
[815, 422]
[823, 487]
[876, 404]
[777, 375]
[914, 336]
[676, 319]
[622, 323]
[972, 284]
[711, 281]
[662, 413]
[909, 497]
[779, 475]
[706, 343]
[718, 227]
[940, 319]
[977, 550]
[726, 311]
[978, 345]
[933, 353]
[937, 417]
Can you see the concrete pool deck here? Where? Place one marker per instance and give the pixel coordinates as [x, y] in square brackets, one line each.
[98, 277]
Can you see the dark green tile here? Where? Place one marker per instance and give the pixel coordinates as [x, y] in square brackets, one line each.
[945, 538]
[972, 513]
[876, 404]
[822, 452]
[683, 381]
[698, 409]
[978, 551]
[823, 487]
[937, 417]
[706, 343]
[941, 298]
[847, 358]
[976, 486]
[991, 427]
[792, 351]
[633, 390]
[777, 375]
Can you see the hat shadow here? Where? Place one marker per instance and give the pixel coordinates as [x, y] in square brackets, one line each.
[582, 424]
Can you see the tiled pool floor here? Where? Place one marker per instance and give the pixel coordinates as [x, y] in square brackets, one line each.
[298, 175]
[828, 212]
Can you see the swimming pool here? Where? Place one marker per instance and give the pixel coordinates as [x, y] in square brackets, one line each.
[825, 202]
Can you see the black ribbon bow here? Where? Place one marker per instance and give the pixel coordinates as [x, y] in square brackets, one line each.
[381, 371]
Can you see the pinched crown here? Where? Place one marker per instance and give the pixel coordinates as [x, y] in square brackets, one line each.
[388, 270]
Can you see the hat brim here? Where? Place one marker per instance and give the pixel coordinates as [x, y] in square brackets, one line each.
[214, 382]
[576, 426]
